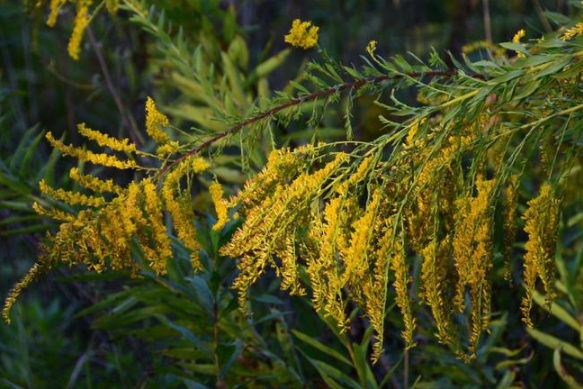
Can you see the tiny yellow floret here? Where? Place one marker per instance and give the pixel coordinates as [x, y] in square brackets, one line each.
[302, 34]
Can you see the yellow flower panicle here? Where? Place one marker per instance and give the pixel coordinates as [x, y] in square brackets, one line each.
[542, 221]
[104, 140]
[216, 192]
[154, 121]
[95, 184]
[80, 24]
[71, 198]
[89, 156]
[302, 34]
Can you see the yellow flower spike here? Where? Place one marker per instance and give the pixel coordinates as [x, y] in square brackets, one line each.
[302, 34]
[154, 120]
[35, 271]
[94, 183]
[542, 220]
[518, 36]
[104, 140]
[89, 156]
[573, 32]
[516, 39]
[371, 48]
[153, 208]
[54, 214]
[179, 207]
[55, 8]
[216, 192]
[80, 24]
[71, 198]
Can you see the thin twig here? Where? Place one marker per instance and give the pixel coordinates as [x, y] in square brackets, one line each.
[354, 85]
[129, 123]
[542, 16]
[487, 20]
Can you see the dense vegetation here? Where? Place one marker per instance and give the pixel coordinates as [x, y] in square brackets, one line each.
[209, 200]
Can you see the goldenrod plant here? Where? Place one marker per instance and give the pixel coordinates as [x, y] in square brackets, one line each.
[472, 189]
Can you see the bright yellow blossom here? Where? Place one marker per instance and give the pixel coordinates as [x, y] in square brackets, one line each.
[516, 39]
[302, 34]
[154, 121]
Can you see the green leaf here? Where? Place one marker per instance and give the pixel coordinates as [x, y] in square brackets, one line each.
[552, 342]
[319, 346]
[563, 373]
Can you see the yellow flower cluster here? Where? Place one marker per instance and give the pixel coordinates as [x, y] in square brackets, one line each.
[542, 221]
[302, 34]
[270, 221]
[103, 236]
[346, 248]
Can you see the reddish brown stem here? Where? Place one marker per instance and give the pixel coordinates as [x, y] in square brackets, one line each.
[300, 100]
